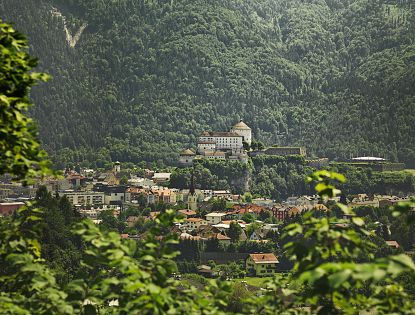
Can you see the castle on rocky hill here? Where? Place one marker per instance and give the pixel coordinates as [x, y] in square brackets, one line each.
[220, 145]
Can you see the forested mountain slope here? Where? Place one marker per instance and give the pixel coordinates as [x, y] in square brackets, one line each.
[142, 79]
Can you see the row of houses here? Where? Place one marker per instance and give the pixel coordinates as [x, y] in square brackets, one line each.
[103, 194]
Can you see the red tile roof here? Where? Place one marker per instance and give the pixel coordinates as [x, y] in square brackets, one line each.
[222, 237]
[194, 219]
[235, 221]
[264, 258]
[187, 212]
[250, 208]
[136, 190]
[219, 134]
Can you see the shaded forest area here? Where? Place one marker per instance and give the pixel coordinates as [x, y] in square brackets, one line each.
[281, 177]
[146, 77]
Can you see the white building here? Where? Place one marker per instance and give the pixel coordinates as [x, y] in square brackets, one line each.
[84, 197]
[140, 182]
[186, 157]
[302, 201]
[203, 146]
[222, 140]
[220, 145]
[215, 155]
[243, 130]
[191, 224]
[214, 217]
[90, 213]
[161, 177]
[94, 213]
[226, 194]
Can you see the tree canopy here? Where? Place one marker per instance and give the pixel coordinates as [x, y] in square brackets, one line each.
[146, 78]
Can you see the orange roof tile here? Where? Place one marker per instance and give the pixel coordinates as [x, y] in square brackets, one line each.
[187, 212]
[264, 258]
[222, 237]
[194, 220]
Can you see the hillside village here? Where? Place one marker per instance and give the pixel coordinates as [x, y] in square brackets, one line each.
[231, 227]
[129, 184]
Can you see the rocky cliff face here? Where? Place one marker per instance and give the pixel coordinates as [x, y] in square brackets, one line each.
[242, 184]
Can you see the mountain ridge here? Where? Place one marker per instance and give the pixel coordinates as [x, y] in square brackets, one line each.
[146, 78]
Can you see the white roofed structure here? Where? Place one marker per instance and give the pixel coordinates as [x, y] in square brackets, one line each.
[368, 159]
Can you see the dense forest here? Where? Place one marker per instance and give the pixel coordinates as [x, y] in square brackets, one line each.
[139, 80]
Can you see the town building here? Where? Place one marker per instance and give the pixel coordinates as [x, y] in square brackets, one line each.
[93, 213]
[215, 217]
[222, 194]
[261, 265]
[187, 236]
[160, 178]
[191, 224]
[140, 182]
[164, 195]
[185, 193]
[15, 191]
[116, 195]
[303, 200]
[113, 194]
[206, 146]
[187, 213]
[264, 202]
[7, 208]
[223, 239]
[53, 184]
[83, 197]
[282, 214]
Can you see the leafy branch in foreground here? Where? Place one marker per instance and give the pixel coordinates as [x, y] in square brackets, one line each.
[325, 252]
[20, 152]
[28, 285]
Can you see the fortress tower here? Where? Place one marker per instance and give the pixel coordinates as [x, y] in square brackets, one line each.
[243, 130]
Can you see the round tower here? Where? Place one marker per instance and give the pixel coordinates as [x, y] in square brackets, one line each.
[243, 130]
[186, 157]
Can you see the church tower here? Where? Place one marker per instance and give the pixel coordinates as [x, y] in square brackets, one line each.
[192, 198]
[117, 167]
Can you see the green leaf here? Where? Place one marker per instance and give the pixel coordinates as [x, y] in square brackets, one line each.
[337, 279]
[358, 221]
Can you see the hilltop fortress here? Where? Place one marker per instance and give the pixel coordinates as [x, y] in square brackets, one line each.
[220, 145]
